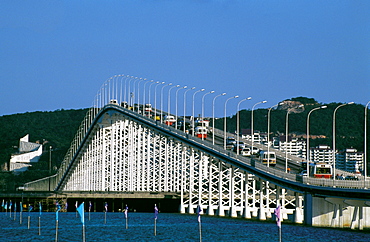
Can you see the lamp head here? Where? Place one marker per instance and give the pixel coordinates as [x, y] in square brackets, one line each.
[223, 94]
[324, 106]
[350, 103]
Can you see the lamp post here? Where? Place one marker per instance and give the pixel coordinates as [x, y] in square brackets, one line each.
[238, 123]
[201, 90]
[155, 99]
[213, 116]
[144, 101]
[133, 93]
[203, 108]
[365, 142]
[149, 100]
[308, 140]
[169, 84]
[176, 103]
[50, 149]
[185, 105]
[287, 134]
[252, 123]
[138, 93]
[334, 114]
[225, 119]
[169, 99]
[127, 88]
[268, 132]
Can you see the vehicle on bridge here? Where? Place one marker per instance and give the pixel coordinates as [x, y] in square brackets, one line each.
[239, 146]
[113, 101]
[246, 151]
[230, 141]
[321, 170]
[169, 120]
[147, 108]
[268, 157]
[201, 132]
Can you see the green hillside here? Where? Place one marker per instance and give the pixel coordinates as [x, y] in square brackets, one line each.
[56, 129]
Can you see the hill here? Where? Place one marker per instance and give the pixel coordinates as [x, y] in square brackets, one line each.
[53, 128]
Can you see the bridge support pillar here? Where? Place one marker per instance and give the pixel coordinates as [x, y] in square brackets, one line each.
[221, 211]
[262, 211]
[298, 209]
[307, 215]
[210, 210]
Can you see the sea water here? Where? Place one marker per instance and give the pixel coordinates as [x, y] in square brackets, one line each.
[169, 227]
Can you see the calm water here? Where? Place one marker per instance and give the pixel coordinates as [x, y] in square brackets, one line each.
[170, 227]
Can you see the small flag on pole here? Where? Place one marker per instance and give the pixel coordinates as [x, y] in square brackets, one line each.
[126, 211]
[66, 207]
[106, 207]
[2, 205]
[6, 205]
[57, 211]
[90, 206]
[277, 213]
[10, 205]
[155, 211]
[199, 210]
[30, 208]
[40, 208]
[81, 212]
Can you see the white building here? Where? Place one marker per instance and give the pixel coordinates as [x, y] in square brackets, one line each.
[294, 146]
[28, 153]
[350, 160]
[321, 153]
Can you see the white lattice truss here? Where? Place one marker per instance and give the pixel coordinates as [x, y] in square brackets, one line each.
[123, 155]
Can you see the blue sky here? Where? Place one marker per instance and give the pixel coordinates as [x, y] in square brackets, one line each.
[56, 54]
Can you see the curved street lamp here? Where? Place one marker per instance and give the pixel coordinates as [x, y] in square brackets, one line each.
[213, 116]
[169, 99]
[184, 87]
[155, 98]
[238, 123]
[201, 90]
[334, 114]
[203, 108]
[169, 84]
[268, 132]
[287, 134]
[144, 96]
[138, 93]
[365, 142]
[252, 123]
[308, 139]
[185, 106]
[225, 119]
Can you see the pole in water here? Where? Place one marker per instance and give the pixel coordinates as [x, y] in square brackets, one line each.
[29, 218]
[56, 231]
[83, 233]
[155, 227]
[105, 217]
[20, 217]
[39, 225]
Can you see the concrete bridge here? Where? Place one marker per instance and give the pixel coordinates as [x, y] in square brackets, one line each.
[118, 150]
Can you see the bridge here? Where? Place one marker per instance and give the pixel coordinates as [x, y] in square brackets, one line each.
[119, 150]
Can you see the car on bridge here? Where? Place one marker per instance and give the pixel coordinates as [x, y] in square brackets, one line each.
[268, 157]
[230, 141]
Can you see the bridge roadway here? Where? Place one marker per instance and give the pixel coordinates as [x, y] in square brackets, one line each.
[314, 186]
